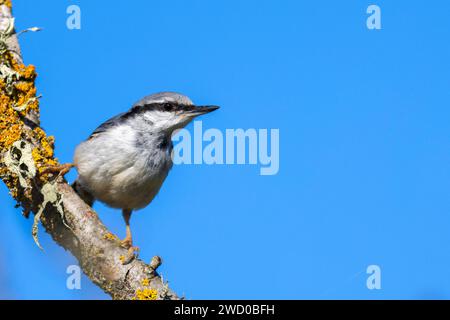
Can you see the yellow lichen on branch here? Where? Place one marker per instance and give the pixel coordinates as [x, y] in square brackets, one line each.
[10, 124]
[16, 89]
[16, 85]
[146, 294]
[145, 282]
[19, 104]
[6, 3]
[43, 156]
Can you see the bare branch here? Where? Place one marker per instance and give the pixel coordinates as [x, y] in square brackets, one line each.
[25, 151]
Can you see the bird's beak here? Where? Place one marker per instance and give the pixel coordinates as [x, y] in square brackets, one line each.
[199, 110]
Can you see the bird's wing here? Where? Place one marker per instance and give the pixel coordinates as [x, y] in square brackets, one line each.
[120, 118]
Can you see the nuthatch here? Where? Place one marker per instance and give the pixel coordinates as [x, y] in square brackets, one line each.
[126, 159]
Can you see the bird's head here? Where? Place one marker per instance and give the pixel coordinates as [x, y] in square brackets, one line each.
[168, 111]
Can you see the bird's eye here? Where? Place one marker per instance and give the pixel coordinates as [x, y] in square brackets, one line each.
[167, 107]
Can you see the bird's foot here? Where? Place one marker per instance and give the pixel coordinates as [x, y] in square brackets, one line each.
[127, 243]
[130, 256]
[60, 170]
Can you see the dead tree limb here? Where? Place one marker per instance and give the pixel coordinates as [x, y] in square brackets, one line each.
[25, 151]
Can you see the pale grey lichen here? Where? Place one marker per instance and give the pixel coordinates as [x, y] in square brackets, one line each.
[19, 160]
[53, 197]
[24, 106]
[7, 22]
[164, 292]
[9, 76]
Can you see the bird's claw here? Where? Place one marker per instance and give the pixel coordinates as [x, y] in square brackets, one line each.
[130, 256]
[126, 243]
[60, 170]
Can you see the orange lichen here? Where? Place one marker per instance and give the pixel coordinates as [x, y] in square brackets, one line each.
[10, 135]
[6, 3]
[10, 132]
[26, 93]
[146, 294]
[28, 72]
[10, 124]
[24, 90]
[8, 59]
[17, 101]
[43, 156]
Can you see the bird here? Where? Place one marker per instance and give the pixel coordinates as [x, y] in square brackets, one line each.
[125, 161]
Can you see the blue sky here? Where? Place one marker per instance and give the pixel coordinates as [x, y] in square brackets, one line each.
[364, 143]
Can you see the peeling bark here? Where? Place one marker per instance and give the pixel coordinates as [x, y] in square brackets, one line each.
[25, 150]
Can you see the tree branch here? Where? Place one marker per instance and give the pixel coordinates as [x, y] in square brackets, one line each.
[25, 151]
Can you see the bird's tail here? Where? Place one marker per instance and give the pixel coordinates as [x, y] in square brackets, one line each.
[83, 192]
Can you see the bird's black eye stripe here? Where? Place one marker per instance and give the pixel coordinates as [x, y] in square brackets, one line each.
[166, 107]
